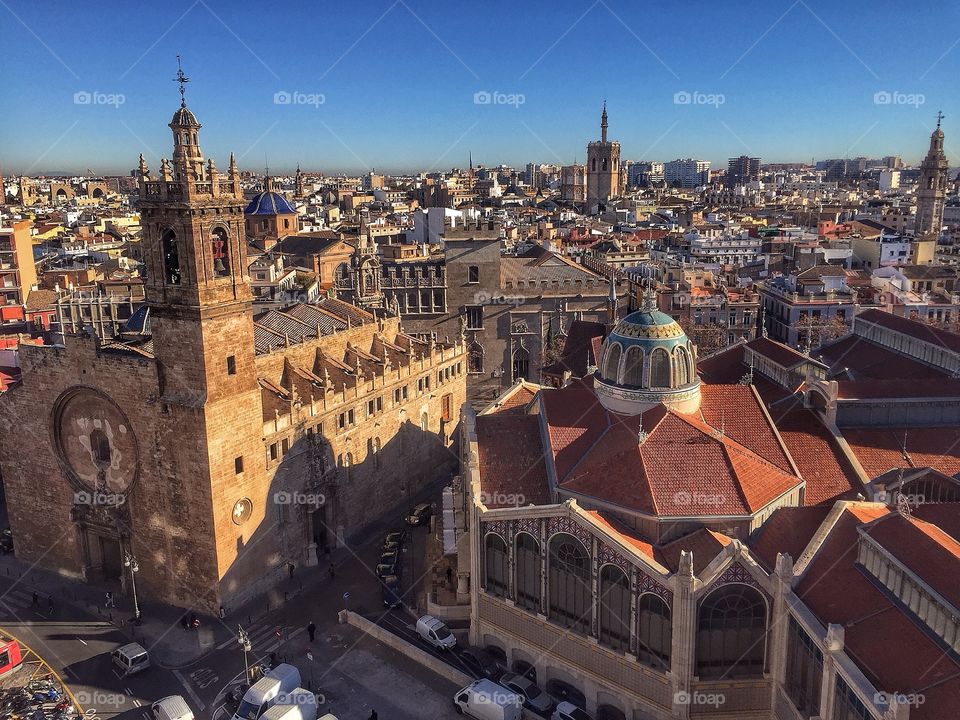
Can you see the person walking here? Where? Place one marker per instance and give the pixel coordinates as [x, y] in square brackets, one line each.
[332, 571]
[50, 604]
[290, 568]
[110, 603]
[312, 630]
[373, 715]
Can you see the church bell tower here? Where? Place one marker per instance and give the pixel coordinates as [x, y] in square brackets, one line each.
[932, 189]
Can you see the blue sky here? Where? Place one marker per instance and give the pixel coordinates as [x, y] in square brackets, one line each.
[391, 84]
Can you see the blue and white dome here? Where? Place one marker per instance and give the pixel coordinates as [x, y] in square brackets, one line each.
[269, 203]
[648, 360]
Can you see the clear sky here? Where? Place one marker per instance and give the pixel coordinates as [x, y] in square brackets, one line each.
[398, 85]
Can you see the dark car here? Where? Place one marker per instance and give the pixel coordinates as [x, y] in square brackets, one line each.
[394, 540]
[420, 514]
[389, 564]
[534, 698]
[482, 664]
[390, 587]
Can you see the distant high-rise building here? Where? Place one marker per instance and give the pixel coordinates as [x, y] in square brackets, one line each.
[604, 178]
[742, 170]
[893, 162]
[686, 172]
[933, 186]
[642, 174]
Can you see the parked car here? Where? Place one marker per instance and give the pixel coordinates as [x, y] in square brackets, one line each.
[394, 540]
[485, 700]
[6, 541]
[482, 664]
[130, 658]
[390, 586]
[420, 514]
[534, 698]
[433, 632]
[172, 707]
[389, 564]
[569, 711]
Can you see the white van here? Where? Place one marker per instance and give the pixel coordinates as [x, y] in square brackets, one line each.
[130, 658]
[298, 704]
[435, 633]
[172, 707]
[486, 700]
[262, 695]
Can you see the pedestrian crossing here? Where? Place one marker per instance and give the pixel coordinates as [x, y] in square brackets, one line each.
[264, 637]
[18, 602]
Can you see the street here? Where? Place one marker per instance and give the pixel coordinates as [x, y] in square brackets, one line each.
[351, 673]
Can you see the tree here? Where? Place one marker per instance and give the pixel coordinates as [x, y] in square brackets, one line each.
[814, 331]
[708, 338]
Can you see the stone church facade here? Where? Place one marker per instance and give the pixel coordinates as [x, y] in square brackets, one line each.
[215, 446]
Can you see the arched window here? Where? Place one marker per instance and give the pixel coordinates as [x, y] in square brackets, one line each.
[373, 450]
[603, 164]
[593, 165]
[495, 565]
[528, 571]
[571, 597]
[220, 252]
[611, 364]
[346, 462]
[521, 364]
[659, 368]
[343, 273]
[681, 366]
[633, 368]
[732, 633]
[654, 633]
[475, 358]
[424, 421]
[100, 447]
[171, 257]
[614, 608]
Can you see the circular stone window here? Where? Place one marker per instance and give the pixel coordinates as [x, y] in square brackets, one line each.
[242, 511]
[95, 441]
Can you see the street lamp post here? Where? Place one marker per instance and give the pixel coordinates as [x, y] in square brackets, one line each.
[244, 641]
[131, 562]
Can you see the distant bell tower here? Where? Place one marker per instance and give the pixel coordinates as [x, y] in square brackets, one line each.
[604, 177]
[932, 189]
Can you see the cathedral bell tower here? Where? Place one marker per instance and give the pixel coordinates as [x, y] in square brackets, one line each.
[604, 176]
[195, 252]
[932, 189]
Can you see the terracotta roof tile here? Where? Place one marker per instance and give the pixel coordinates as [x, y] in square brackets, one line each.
[880, 450]
[511, 459]
[914, 329]
[788, 530]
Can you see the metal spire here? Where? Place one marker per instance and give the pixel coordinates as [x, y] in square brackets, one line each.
[183, 80]
[940, 116]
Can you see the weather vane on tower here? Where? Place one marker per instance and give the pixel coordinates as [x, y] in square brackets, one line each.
[940, 116]
[183, 80]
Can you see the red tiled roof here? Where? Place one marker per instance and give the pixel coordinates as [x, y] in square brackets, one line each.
[915, 329]
[915, 388]
[864, 359]
[642, 545]
[705, 544]
[924, 548]
[516, 402]
[837, 591]
[882, 449]
[822, 464]
[788, 530]
[684, 467]
[511, 460]
[779, 353]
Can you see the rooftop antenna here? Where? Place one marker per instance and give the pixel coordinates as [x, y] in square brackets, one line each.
[641, 433]
[183, 80]
[763, 322]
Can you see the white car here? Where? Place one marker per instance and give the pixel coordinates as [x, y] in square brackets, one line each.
[569, 711]
[434, 632]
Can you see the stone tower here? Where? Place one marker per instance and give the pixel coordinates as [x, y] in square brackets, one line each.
[201, 315]
[603, 167]
[932, 188]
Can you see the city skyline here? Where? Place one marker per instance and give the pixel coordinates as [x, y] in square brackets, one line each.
[780, 83]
